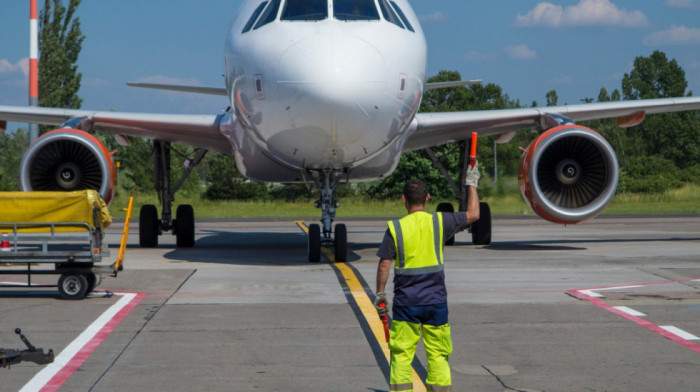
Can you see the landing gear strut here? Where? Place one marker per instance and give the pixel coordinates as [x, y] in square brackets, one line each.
[481, 229]
[327, 180]
[150, 227]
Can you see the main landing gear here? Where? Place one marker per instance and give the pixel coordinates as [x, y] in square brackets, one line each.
[481, 229]
[150, 227]
[327, 180]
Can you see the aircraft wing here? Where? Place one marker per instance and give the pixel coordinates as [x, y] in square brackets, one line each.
[196, 130]
[439, 128]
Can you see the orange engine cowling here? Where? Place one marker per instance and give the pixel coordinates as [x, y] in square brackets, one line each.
[68, 160]
[568, 174]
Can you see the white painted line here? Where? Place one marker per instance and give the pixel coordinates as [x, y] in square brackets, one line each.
[65, 357]
[679, 332]
[590, 293]
[619, 288]
[630, 311]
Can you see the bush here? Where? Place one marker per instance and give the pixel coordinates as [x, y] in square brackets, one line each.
[649, 174]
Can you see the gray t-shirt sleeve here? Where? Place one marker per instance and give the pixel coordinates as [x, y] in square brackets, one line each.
[453, 223]
[387, 249]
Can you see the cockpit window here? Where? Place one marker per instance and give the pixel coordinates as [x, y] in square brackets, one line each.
[270, 14]
[254, 17]
[349, 10]
[389, 13]
[305, 10]
[403, 17]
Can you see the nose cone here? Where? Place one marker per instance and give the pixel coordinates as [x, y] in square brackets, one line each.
[332, 66]
[337, 88]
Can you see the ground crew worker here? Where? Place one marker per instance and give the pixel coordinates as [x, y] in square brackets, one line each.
[415, 242]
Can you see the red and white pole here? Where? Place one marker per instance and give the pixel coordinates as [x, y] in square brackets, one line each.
[33, 64]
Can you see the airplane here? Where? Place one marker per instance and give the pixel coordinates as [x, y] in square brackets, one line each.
[327, 92]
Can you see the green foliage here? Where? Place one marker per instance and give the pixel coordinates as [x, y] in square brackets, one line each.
[225, 182]
[653, 174]
[552, 98]
[60, 42]
[673, 136]
[418, 165]
[11, 148]
[654, 77]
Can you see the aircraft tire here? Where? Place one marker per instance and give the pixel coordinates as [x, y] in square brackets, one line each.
[481, 229]
[447, 207]
[341, 243]
[314, 243]
[148, 226]
[184, 230]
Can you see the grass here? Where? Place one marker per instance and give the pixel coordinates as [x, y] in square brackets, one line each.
[685, 200]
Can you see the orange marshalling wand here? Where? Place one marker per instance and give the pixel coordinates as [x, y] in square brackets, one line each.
[472, 155]
[385, 321]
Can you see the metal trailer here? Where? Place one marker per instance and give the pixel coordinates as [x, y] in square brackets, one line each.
[70, 249]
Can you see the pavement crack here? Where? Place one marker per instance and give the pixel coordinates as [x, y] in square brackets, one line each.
[501, 381]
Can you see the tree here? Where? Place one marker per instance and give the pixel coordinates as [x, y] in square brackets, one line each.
[416, 164]
[552, 98]
[225, 182]
[60, 42]
[11, 147]
[673, 136]
[654, 77]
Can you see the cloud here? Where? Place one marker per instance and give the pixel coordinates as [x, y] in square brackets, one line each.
[6, 67]
[675, 35]
[520, 52]
[436, 16]
[688, 4]
[585, 13]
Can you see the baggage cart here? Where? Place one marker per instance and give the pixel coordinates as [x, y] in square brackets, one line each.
[57, 233]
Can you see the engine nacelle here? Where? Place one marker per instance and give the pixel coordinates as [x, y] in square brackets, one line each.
[568, 174]
[68, 160]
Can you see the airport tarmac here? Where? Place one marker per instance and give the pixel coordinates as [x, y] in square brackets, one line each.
[608, 305]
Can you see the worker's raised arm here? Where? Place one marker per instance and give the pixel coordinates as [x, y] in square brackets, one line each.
[472, 181]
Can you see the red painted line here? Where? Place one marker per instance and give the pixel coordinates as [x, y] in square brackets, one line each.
[638, 320]
[79, 358]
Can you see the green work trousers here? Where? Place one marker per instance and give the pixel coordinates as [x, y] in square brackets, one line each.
[438, 347]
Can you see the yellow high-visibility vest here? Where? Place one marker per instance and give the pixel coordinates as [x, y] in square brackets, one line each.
[418, 239]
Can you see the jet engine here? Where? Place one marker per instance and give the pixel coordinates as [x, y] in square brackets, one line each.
[568, 174]
[68, 160]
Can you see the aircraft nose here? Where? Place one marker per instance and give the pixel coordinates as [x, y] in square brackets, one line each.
[334, 67]
[334, 89]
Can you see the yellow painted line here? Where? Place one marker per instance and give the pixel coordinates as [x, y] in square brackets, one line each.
[366, 306]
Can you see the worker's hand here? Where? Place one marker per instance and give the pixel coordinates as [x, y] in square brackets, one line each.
[473, 175]
[380, 299]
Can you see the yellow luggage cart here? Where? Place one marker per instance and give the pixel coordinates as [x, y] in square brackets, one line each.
[62, 229]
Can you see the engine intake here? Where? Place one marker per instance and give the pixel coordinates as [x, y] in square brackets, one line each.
[68, 160]
[568, 174]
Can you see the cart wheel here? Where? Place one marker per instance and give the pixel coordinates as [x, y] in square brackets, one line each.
[91, 282]
[72, 286]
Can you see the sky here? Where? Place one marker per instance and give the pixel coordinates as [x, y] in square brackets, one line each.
[527, 47]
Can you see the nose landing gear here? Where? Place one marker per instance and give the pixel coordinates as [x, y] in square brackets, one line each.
[327, 180]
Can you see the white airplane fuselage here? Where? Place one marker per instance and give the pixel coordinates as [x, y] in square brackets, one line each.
[322, 95]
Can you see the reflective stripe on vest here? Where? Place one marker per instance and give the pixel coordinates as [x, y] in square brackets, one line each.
[420, 259]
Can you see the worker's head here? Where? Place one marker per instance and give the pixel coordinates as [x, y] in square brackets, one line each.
[415, 194]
